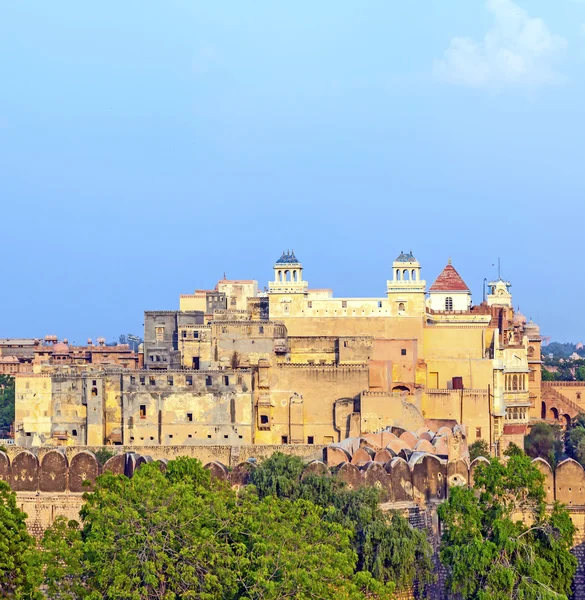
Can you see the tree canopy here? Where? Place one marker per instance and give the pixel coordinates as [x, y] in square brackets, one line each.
[490, 553]
[19, 566]
[181, 534]
[6, 402]
[544, 441]
[388, 548]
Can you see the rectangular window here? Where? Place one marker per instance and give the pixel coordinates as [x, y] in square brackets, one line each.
[142, 380]
[310, 440]
[403, 351]
[226, 380]
[152, 381]
[478, 432]
[263, 419]
[344, 304]
[310, 304]
[184, 333]
[170, 380]
[143, 411]
[190, 417]
[284, 439]
[208, 380]
[132, 379]
[379, 304]
[195, 334]
[261, 329]
[151, 358]
[189, 380]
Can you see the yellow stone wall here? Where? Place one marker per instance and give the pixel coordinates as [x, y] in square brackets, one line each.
[34, 406]
[322, 403]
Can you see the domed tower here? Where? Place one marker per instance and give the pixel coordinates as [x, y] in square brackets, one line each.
[288, 290]
[406, 290]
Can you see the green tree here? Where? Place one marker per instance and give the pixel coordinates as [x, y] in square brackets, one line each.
[548, 375]
[575, 439]
[544, 441]
[180, 534]
[6, 401]
[490, 554]
[19, 558]
[479, 448]
[388, 548]
[580, 373]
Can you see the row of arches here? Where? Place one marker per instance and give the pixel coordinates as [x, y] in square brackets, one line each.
[515, 382]
[406, 275]
[293, 275]
[553, 414]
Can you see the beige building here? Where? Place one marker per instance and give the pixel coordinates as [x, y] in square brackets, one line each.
[302, 366]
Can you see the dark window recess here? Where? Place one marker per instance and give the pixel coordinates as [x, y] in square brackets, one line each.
[226, 380]
[208, 380]
[189, 380]
[195, 334]
[209, 436]
[190, 436]
[170, 436]
[74, 432]
[190, 417]
[132, 379]
[170, 380]
[142, 380]
[143, 411]
[94, 382]
[152, 381]
[284, 439]
[226, 436]
[310, 440]
[261, 329]
[94, 391]
[184, 333]
[263, 419]
[478, 432]
[403, 351]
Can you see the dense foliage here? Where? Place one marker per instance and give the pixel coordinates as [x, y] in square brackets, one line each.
[545, 441]
[479, 448]
[6, 402]
[490, 553]
[388, 548]
[575, 439]
[19, 566]
[180, 534]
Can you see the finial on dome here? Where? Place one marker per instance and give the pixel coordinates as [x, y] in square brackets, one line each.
[449, 261]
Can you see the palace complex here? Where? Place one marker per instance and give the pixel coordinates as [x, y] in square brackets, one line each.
[293, 365]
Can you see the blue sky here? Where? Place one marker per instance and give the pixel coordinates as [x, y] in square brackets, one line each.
[148, 147]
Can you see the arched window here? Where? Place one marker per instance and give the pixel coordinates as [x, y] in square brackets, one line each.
[401, 307]
[295, 276]
[397, 274]
[448, 303]
[405, 275]
[287, 275]
[279, 276]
